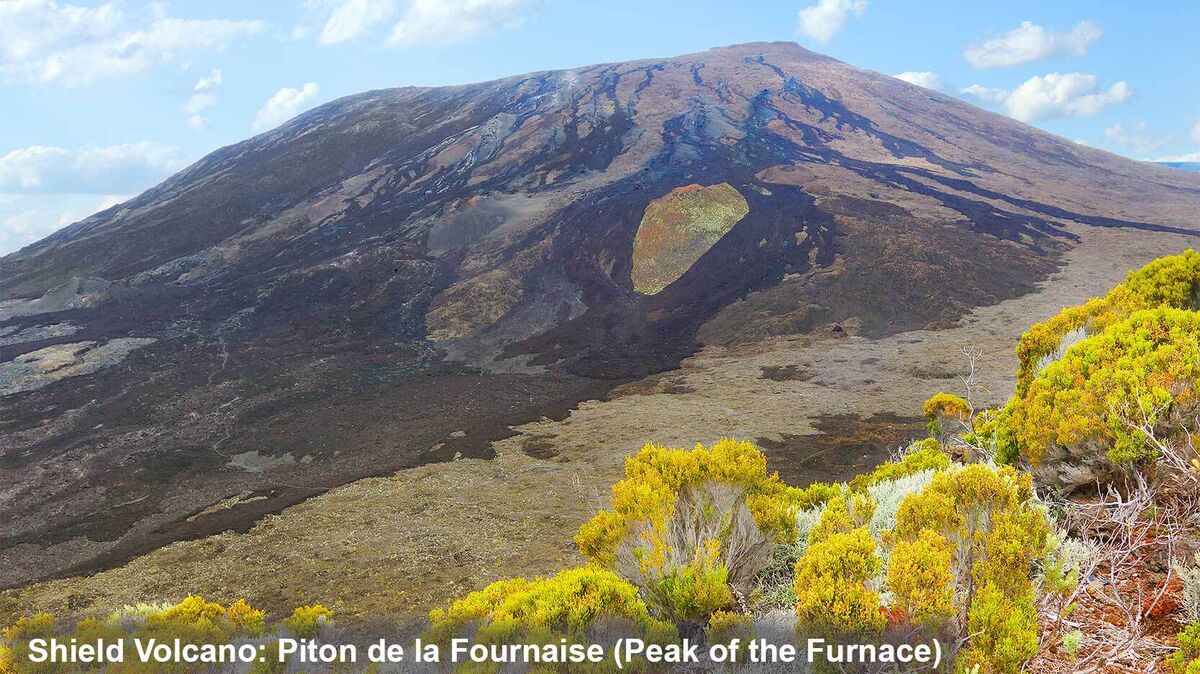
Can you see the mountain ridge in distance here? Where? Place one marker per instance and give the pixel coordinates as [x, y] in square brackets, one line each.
[398, 277]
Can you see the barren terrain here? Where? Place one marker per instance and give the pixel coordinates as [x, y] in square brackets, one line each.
[388, 548]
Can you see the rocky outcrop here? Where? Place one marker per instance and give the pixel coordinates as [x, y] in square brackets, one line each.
[45, 366]
[678, 229]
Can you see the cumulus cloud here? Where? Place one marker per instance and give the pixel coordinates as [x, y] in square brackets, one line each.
[1054, 95]
[25, 218]
[45, 41]
[1189, 157]
[1138, 137]
[1031, 42]
[440, 22]
[351, 19]
[204, 96]
[825, 19]
[414, 23]
[284, 105]
[987, 94]
[96, 170]
[923, 78]
[43, 188]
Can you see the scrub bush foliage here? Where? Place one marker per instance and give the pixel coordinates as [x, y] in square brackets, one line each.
[1172, 282]
[1113, 389]
[571, 604]
[194, 620]
[920, 456]
[833, 584]
[925, 543]
[920, 579]
[945, 414]
[1109, 386]
[1186, 660]
[694, 528]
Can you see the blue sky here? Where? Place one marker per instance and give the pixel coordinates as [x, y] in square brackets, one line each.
[101, 100]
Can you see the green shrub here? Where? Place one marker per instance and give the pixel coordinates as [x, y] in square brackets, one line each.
[996, 533]
[946, 414]
[920, 456]
[920, 579]
[1143, 369]
[832, 584]
[575, 605]
[1171, 282]
[1186, 660]
[692, 528]
[194, 621]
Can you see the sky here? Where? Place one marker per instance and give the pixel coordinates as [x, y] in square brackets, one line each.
[102, 100]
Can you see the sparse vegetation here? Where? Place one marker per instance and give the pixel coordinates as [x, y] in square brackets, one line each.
[693, 529]
[950, 538]
[577, 604]
[193, 621]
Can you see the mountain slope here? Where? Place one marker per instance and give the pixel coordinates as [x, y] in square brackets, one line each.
[397, 277]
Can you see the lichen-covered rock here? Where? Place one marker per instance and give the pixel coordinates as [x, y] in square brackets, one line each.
[45, 366]
[679, 228]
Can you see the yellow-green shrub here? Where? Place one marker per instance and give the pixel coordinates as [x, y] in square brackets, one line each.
[14, 648]
[306, 621]
[1003, 616]
[992, 432]
[725, 626]
[1186, 660]
[960, 503]
[689, 593]
[1144, 368]
[192, 621]
[567, 605]
[996, 534]
[944, 407]
[921, 579]
[689, 527]
[655, 477]
[832, 585]
[843, 514]
[1169, 281]
[1004, 632]
[921, 455]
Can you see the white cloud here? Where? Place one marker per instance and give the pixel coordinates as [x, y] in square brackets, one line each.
[204, 96]
[1189, 157]
[43, 188]
[1031, 42]
[284, 105]
[25, 218]
[412, 23]
[300, 32]
[1196, 132]
[352, 19]
[440, 22]
[45, 41]
[1138, 137]
[97, 170]
[987, 94]
[1054, 95]
[923, 78]
[824, 19]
